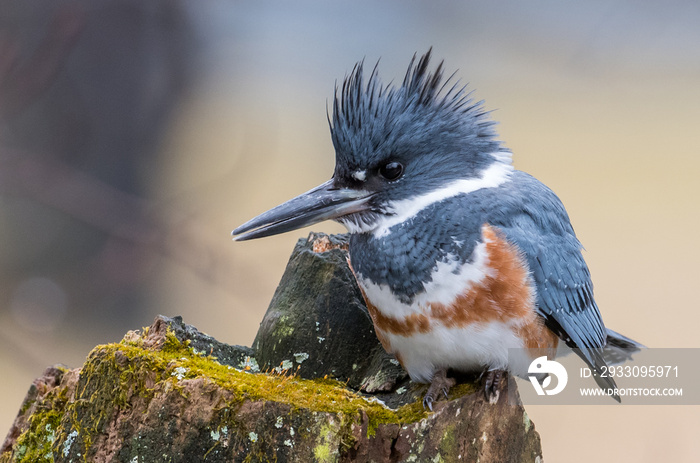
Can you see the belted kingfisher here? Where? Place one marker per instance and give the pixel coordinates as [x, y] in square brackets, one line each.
[459, 256]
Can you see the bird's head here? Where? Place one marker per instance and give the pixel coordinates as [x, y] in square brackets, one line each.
[392, 144]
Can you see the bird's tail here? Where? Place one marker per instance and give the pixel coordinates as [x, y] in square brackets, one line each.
[619, 348]
[596, 360]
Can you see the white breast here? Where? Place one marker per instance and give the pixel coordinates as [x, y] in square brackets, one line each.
[473, 348]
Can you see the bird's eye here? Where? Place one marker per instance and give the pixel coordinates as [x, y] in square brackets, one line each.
[391, 170]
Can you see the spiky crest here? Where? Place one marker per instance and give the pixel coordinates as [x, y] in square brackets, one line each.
[357, 103]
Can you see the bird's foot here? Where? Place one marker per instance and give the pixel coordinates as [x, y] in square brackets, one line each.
[440, 384]
[492, 383]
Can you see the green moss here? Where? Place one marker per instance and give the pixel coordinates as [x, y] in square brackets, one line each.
[322, 453]
[37, 444]
[115, 375]
[26, 405]
[173, 345]
[326, 449]
[448, 443]
[462, 389]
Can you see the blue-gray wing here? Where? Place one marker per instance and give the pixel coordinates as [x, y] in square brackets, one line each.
[562, 280]
[564, 290]
[533, 219]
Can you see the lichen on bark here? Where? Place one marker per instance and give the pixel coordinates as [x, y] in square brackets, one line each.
[170, 393]
[142, 397]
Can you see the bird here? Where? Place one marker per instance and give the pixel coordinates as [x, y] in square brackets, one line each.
[465, 263]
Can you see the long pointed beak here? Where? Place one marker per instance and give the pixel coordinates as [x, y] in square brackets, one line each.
[321, 203]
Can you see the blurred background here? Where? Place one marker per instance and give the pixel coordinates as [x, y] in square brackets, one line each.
[134, 136]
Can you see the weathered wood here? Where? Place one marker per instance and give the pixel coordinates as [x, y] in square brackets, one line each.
[173, 394]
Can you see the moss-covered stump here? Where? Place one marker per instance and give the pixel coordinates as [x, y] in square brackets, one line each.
[317, 321]
[154, 398]
[327, 391]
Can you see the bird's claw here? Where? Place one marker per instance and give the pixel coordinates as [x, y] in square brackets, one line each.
[428, 402]
[440, 383]
[428, 399]
[492, 384]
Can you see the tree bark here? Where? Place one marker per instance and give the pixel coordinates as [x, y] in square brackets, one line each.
[328, 392]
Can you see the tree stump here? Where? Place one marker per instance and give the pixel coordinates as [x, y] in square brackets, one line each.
[315, 386]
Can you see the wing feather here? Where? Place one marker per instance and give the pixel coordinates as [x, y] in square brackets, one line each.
[539, 226]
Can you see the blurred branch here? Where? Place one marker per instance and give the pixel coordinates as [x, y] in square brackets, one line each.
[119, 214]
[43, 178]
[22, 83]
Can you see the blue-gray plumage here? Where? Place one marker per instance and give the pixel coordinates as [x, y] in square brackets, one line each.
[459, 256]
[425, 119]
